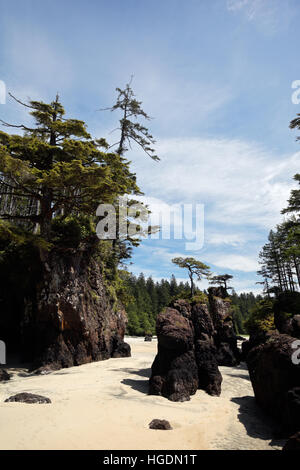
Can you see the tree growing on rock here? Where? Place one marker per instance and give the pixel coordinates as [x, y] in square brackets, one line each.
[195, 269]
[55, 174]
[130, 129]
[57, 170]
[221, 280]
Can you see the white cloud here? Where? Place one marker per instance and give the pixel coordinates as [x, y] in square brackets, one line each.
[234, 262]
[239, 182]
[233, 239]
[268, 15]
[233, 5]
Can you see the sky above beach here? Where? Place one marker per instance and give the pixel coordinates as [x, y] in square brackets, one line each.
[217, 78]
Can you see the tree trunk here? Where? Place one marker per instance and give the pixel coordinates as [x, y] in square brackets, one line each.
[46, 214]
[192, 283]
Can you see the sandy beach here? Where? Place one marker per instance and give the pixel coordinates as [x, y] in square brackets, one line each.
[104, 405]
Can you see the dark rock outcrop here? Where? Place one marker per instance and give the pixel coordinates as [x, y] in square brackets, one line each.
[276, 380]
[4, 375]
[209, 376]
[256, 338]
[186, 358]
[67, 317]
[293, 442]
[28, 398]
[148, 337]
[161, 424]
[225, 338]
[174, 370]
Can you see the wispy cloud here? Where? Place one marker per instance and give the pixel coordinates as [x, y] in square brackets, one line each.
[269, 15]
[232, 239]
[239, 182]
[234, 262]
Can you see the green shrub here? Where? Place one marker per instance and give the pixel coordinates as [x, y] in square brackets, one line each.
[70, 231]
[261, 317]
[200, 297]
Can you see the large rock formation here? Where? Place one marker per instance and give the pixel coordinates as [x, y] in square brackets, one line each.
[209, 376]
[186, 358]
[225, 338]
[272, 361]
[67, 317]
[275, 379]
[174, 371]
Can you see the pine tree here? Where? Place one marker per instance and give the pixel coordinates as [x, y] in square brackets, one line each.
[194, 267]
[130, 129]
[56, 168]
[221, 280]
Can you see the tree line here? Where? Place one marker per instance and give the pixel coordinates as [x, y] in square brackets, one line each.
[146, 298]
[280, 256]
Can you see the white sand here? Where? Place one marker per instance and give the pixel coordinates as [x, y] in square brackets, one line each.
[104, 405]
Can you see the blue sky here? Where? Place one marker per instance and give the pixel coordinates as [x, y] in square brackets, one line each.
[216, 76]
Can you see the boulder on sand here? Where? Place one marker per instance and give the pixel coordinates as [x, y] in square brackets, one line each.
[161, 424]
[28, 398]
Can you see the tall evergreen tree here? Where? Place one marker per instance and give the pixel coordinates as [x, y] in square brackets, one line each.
[56, 168]
[131, 130]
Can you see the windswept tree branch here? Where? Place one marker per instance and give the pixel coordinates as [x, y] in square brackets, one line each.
[20, 102]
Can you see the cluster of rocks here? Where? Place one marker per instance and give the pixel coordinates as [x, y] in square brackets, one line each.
[274, 365]
[193, 339]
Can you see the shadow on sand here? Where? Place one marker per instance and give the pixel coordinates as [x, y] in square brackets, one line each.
[140, 372]
[141, 386]
[257, 424]
[241, 376]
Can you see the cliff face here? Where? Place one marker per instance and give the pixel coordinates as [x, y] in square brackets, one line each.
[68, 318]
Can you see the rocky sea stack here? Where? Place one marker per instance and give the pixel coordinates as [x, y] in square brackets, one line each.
[193, 337]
